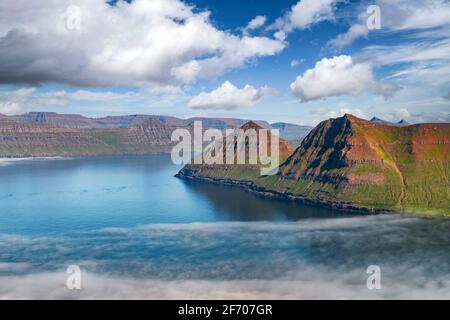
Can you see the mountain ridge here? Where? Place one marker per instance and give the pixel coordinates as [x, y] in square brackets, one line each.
[41, 133]
[351, 162]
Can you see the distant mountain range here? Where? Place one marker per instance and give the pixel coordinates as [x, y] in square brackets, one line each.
[53, 134]
[354, 164]
[381, 121]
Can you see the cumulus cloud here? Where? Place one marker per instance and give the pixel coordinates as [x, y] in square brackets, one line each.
[25, 99]
[336, 76]
[228, 97]
[306, 13]
[158, 42]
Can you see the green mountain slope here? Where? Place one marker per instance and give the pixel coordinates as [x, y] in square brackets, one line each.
[353, 163]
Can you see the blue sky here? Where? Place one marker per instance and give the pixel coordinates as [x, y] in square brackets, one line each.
[294, 61]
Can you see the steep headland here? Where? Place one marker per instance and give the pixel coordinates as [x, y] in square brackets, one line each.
[351, 163]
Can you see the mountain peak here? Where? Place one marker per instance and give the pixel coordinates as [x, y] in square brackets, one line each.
[379, 121]
[403, 122]
[251, 125]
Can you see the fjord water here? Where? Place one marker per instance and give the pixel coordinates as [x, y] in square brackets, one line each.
[136, 231]
[42, 196]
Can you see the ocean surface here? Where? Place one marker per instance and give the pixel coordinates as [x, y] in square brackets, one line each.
[136, 231]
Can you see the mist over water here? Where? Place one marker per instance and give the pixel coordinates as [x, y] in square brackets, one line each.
[138, 232]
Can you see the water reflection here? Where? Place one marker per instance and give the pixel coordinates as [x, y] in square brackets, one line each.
[241, 205]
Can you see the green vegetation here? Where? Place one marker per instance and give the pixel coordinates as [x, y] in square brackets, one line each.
[349, 160]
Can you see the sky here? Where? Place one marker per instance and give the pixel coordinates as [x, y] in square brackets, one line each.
[287, 60]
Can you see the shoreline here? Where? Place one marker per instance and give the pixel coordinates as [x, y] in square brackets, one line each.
[70, 156]
[249, 186]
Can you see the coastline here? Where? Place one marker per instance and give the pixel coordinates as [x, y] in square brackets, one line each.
[68, 156]
[249, 186]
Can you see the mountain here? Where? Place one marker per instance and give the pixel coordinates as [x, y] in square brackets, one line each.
[53, 134]
[351, 163]
[235, 171]
[77, 121]
[288, 131]
[292, 132]
[24, 139]
[59, 120]
[380, 121]
[403, 123]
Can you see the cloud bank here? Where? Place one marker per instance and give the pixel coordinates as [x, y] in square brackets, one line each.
[400, 15]
[158, 42]
[308, 259]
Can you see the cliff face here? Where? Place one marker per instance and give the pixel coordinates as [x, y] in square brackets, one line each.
[237, 171]
[57, 120]
[53, 134]
[404, 168]
[77, 121]
[19, 139]
[353, 162]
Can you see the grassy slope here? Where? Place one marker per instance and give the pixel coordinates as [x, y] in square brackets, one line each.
[415, 177]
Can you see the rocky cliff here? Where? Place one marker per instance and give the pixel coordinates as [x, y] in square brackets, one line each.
[247, 170]
[25, 139]
[53, 134]
[350, 162]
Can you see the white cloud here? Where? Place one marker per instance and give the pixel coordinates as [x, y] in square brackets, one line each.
[306, 13]
[403, 113]
[344, 39]
[326, 113]
[387, 90]
[280, 35]
[25, 99]
[87, 95]
[306, 283]
[333, 77]
[228, 97]
[399, 15]
[277, 270]
[158, 42]
[255, 23]
[296, 62]
[424, 63]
